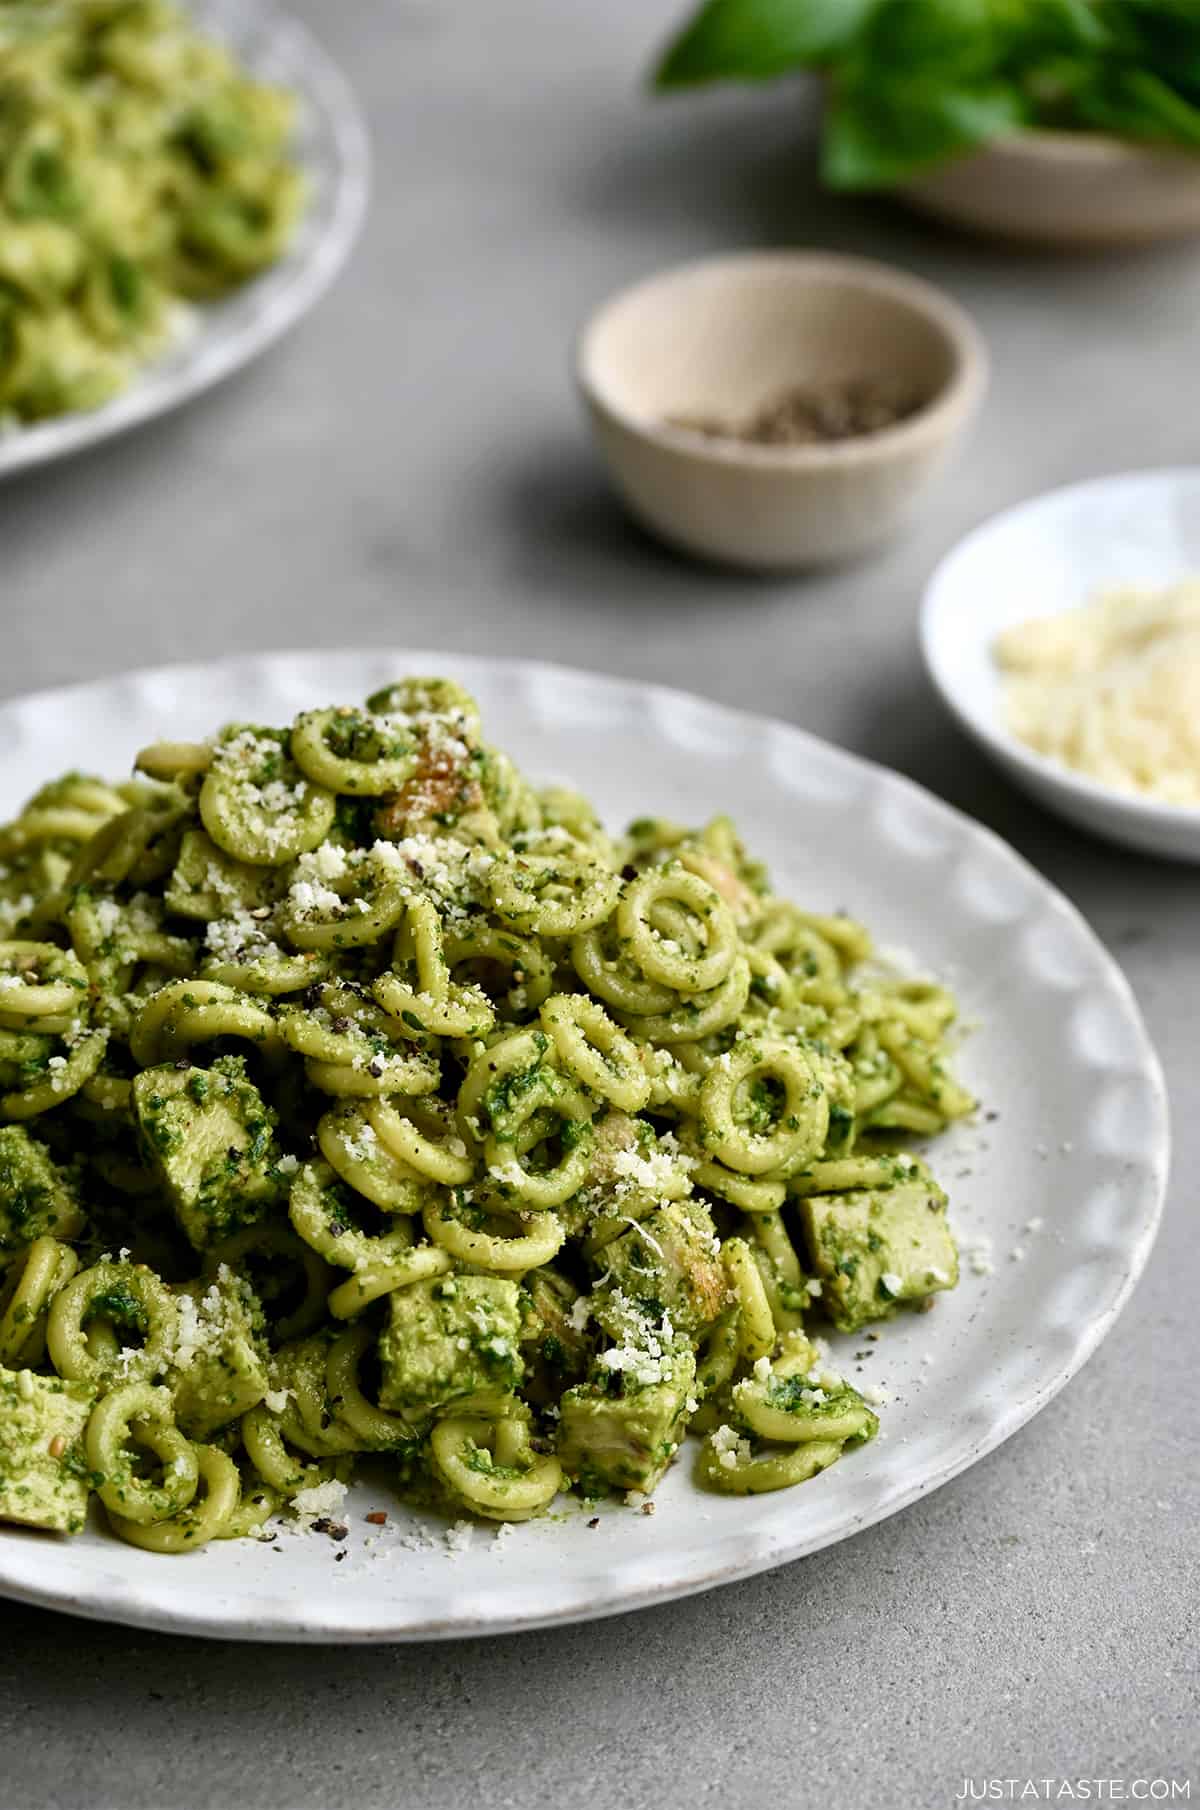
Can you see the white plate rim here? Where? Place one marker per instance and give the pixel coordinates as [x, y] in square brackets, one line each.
[989, 730]
[287, 290]
[627, 1585]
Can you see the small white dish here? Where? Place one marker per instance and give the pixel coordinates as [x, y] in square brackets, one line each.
[1067, 1170]
[1041, 558]
[220, 337]
[721, 338]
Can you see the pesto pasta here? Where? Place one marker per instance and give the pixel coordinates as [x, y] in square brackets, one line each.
[139, 169]
[360, 1103]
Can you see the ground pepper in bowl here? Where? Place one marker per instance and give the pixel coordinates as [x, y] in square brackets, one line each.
[814, 414]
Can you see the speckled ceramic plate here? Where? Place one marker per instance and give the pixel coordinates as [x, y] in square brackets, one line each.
[220, 337]
[1072, 1134]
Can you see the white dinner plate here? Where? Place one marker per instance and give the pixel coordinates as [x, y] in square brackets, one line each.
[1051, 554]
[221, 336]
[1072, 1132]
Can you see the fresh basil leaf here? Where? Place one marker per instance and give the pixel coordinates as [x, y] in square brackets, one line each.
[874, 139]
[931, 40]
[1033, 29]
[1136, 104]
[753, 40]
[1161, 35]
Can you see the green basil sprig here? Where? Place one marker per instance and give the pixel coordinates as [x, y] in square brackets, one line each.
[913, 83]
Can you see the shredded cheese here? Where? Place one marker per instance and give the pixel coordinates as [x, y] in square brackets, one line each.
[1113, 690]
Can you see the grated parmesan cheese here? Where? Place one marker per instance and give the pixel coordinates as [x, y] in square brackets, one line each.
[1113, 690]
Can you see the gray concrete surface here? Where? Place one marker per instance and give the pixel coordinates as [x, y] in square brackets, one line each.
[411, 466]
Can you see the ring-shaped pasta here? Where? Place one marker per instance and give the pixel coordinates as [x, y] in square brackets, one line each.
[367, 1285]
[256, 1504]
[782, 1276]
[525, 1127]
[121, 844]
[741, 1191]
[422, 697]
[417, 1073]
[69, 810]
[818, 946]
[28, 1287]
[353, 751]
[458, 1012]
[773, 1407]
[195, 1011]
[348, 1141]
[59, 1084]
[756, 1323]
[206, 1517]
[441, 1158]
[268, 1453]
[168, 761]
[596, 1051]
[696, 1015]
[268, 974]
[307, 1419]
[372, 1426]
[339, 1025]
[258, 806]
[764, 1471]
[136, 1413]
[664, 958]
[496, 1076]
[316, 1208]
[40, 980]
[845, 1173]
[673, 1087]
[353, 924]
[801, 1123]
[492, 1251]
[490, 1466]
[924, 1071]
[486, 947]
[770, 982]
[132, 1294]
[718, 1357]
[538, 1190]
[559, 894]
[279, 1245]
[608, 973]
[136, 936]
[419, 992]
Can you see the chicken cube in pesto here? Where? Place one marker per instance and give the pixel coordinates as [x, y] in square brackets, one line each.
[211, 1139]
[449, 1339]
[43, 1469]
[220, 1369]
[35, 1196]
[616, 1433]
[877, 1250]
[669, 1262]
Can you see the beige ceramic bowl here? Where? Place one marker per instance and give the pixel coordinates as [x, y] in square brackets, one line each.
[720, 338]
[1073, 190]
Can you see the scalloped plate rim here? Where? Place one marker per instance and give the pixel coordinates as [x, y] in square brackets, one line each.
[121, 1601]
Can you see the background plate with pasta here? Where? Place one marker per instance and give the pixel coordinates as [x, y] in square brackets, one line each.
[1065, 1163]
[220, 337]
